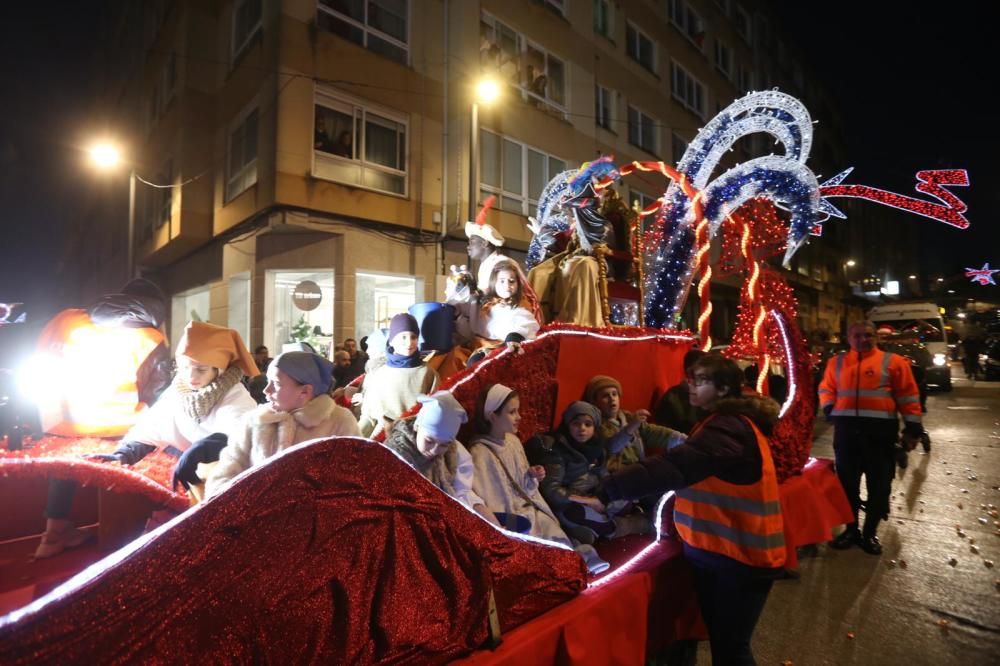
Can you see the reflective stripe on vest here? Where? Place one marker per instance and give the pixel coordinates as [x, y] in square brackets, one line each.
[743, 522]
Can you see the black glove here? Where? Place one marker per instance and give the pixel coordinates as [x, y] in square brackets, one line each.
[914, 430]
[127, 453]
[205, 450]
[103, 457]
[827, 409]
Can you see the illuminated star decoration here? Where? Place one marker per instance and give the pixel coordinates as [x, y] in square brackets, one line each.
[6, 310]
[982, 276]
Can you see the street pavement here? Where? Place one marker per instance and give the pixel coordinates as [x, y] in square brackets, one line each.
[933, 596]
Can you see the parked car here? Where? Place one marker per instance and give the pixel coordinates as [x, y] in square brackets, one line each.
[989, 359]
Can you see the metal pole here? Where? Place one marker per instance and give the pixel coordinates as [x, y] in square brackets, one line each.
[474, 162]
[131, 224]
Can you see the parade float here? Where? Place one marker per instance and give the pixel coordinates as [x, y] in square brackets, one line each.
[337, 551]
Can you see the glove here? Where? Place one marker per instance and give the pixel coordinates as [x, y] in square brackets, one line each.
[128, 453]
[104, 457]
[827, 409]
[205, 450]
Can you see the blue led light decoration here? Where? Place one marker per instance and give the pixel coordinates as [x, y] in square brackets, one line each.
[668, 237]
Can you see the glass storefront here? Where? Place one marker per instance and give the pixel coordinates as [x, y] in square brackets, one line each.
[298, 307]
[191, 305]
[380, 296]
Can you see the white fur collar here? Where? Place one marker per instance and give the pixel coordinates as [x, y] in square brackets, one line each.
[309, 416]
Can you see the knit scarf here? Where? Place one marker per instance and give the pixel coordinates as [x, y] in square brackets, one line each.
[198, 404]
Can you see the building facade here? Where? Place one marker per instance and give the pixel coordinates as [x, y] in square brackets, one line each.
[317, 153]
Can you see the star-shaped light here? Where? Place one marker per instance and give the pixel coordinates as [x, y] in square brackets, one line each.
[983, 276]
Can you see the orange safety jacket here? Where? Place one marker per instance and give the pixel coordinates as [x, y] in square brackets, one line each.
[877, 387]
[739, 521]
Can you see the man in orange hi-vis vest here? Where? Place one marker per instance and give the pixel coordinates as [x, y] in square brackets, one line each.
[863, 391]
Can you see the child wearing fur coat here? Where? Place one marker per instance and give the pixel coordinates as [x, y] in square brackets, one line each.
[503, 315]
[299, 408]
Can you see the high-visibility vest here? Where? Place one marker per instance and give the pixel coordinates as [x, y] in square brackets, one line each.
[739, 521]
[91, 375]
[874, 384]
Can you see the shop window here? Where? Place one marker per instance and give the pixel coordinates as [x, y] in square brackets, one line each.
[192, 305]
[380, 297]
[298, 307]
[239, 305]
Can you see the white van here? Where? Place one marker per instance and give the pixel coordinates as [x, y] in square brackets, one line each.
[923, 320]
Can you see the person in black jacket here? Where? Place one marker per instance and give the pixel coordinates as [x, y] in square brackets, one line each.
[725, 456]
[575, 460]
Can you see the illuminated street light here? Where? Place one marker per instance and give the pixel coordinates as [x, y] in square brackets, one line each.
[487, 91]
[107, 157]
[104, 156]
[913, 277]
[851, 262]
[940, 279]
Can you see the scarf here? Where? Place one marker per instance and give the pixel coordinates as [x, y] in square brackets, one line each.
[439, 470]
[394, 360]
[198, 404]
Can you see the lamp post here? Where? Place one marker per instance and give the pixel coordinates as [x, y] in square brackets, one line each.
[106, 157]
[487, 91]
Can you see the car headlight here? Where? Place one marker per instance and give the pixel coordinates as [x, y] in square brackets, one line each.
[939, 359]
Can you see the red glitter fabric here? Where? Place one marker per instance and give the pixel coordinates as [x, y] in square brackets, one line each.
[61, 458]
[332, 552]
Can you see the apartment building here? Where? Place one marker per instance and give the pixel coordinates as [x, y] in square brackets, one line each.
[317, 153]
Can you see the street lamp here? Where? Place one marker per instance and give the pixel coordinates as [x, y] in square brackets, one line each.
[851, 263]
[487, 91]
[106, 157]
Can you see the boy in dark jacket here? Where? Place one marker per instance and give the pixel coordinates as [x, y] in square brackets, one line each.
[575, 460]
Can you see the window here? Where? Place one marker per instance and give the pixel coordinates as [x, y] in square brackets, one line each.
[687, 21]
[742, 21]
[687, 90]
[359, 145]
[381, 26]
[166, 195]
[604, 18]
[678, 147]
[603, 107]
[558, 6]
[641, 130]
[378, 298]
[544, 79]
[745, 81]
[640, 48]
[241, 169]
[724, 59]
[246, 25]
[516, 173]
[500, 48]
[644, 199]
[298, 307]
[239, 305]
[192, 305]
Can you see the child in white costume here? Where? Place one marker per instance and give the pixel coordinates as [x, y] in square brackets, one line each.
[393, 388]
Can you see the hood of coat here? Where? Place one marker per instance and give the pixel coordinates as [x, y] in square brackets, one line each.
[762, 410]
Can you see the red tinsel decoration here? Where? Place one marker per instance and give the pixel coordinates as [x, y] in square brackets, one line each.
[61, 458]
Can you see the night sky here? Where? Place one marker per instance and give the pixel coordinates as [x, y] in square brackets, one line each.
[912, 86]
